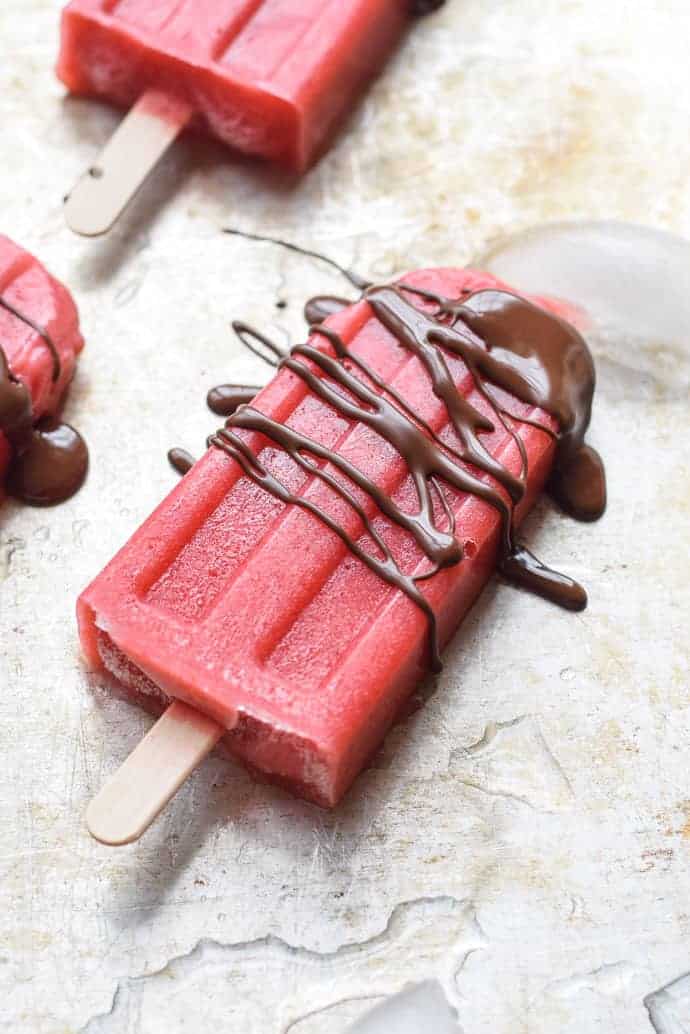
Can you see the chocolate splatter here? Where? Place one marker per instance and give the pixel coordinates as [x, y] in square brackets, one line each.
[226, 398]
[49, 461]
[505, 342]
[181, 460]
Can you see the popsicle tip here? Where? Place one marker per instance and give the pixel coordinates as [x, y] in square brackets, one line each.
[103, 825]
[112, 180]
[82, 217]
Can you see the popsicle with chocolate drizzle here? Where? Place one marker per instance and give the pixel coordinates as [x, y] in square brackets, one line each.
[506, 342]
[42, 460]
[308, 570]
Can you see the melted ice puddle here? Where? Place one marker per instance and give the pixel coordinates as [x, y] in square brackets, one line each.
[633, 283]
[419, 1007]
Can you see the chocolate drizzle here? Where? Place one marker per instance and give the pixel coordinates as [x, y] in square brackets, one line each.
[180, 460]
[41, 331]
[355, 279]
[258, 343]
[322, 306]
[505, 342]
[548, 364]
[49, 461]
[226, 398]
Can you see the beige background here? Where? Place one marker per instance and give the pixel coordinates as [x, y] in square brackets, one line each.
[526, 836]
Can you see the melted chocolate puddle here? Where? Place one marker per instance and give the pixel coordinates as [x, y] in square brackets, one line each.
[50, 461]
[51, 468]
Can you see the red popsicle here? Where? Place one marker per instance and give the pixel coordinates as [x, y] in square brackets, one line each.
[267, 77]
[39, 343]
[280, 604]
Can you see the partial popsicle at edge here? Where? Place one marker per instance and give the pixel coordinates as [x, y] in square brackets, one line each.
[270, 78]
[39, 344]
[295, 585]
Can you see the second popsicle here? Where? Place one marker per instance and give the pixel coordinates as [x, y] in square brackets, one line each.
[272, 78]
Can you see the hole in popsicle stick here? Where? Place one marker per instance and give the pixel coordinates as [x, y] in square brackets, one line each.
[95, 172]
[469, 548]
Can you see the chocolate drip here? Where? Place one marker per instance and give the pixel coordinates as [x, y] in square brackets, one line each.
[52, 347]
[16, 420]
[256, 342]
[355, 279]
[226, 398]
[506, 343]
[544, 361]
[579, 486]
[523, 568]
[181, 460]
[52, 468]
[50, 461]
[322, 306]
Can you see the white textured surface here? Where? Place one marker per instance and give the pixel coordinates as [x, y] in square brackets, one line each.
[525, 837]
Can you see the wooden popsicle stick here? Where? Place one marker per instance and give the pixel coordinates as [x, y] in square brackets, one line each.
[153, 773]
[136, 146]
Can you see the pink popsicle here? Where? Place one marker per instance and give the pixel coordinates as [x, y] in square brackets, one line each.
[256, 614]
[272, 78]
[32, 301]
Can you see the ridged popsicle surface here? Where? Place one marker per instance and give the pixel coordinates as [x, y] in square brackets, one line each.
[255, 612]
[271, 78]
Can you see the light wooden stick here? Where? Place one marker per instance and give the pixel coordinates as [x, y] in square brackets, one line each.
[152, 774]
[136, 146]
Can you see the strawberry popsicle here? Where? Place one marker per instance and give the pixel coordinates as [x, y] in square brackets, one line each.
[304, 575]
[39, 344]
[271, 78]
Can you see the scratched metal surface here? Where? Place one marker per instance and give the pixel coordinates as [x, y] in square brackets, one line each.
[525, 837]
